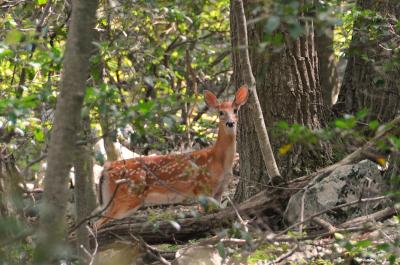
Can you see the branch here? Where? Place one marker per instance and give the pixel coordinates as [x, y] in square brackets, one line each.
[332, 209]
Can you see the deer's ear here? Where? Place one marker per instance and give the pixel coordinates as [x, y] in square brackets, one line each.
[241, 96]
[210, 99]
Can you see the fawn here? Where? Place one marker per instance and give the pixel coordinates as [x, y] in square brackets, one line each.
[126, 185]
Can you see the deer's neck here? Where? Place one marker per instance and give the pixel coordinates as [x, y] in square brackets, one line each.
[225, 148]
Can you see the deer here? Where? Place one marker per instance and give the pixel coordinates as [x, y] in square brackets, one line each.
[126, 185]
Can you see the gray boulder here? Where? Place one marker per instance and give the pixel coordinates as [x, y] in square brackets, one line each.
[345, 184]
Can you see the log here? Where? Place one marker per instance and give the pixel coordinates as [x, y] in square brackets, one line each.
[265, 208]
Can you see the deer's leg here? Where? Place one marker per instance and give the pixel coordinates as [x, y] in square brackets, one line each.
[120, 208]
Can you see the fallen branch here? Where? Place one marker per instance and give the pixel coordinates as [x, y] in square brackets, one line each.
[325, 224]
[380, 215]
[380, 198]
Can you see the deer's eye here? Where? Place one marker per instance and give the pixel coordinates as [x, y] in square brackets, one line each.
[235, 111]
[221, 113]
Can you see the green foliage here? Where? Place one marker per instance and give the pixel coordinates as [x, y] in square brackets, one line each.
[369, 250]
[268, 252]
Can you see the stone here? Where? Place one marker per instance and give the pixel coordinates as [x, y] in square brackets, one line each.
[345, 184]
[199, 255]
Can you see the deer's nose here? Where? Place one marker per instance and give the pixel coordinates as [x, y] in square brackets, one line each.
[230, 124]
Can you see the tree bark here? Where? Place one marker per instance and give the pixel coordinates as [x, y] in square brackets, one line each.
[85, 190]
[11, 192]
[289, 89]
[51, 236]
[371, 77]
[327, 64]
[254, 118]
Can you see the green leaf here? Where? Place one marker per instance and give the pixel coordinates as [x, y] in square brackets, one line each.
[221, 250]
[5, 51]
[392, 259]
[13, 37]
[41, 2]
[362, 113]
[373, 124]
[283, 125]
[364, 243]
[347, 123]
[295, 31]
[272, 23]
[39, 135]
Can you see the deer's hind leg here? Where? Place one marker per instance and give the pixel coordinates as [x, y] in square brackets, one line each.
[120, 208]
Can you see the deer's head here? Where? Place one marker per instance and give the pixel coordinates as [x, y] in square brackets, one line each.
[227, 111]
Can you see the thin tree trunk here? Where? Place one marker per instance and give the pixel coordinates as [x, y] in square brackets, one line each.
[109, 147]
[327, 67]
[51, 237]
[85, 190]
[11, 193]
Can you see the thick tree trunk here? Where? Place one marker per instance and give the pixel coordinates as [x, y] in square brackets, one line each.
[51, 236]
[289, 89]
[371, 78]
[240, 45]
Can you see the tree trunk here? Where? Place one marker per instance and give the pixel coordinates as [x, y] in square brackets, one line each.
[371, 78]
[289, 89]
[85, 190]
[51, 237]
[327, 64]
[111, 151]
[11, 192]
[240, 46]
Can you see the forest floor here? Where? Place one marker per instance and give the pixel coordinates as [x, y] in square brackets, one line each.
[363, 246]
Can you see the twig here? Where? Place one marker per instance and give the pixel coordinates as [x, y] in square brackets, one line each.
[242, 222]
[31, 163]
[285, 256]
[91, 255]
[302, 209]
[385, 213]
[152, 251]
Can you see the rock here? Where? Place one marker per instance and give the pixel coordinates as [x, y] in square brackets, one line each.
[121, 253]
[200, 255]
[343, 185]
